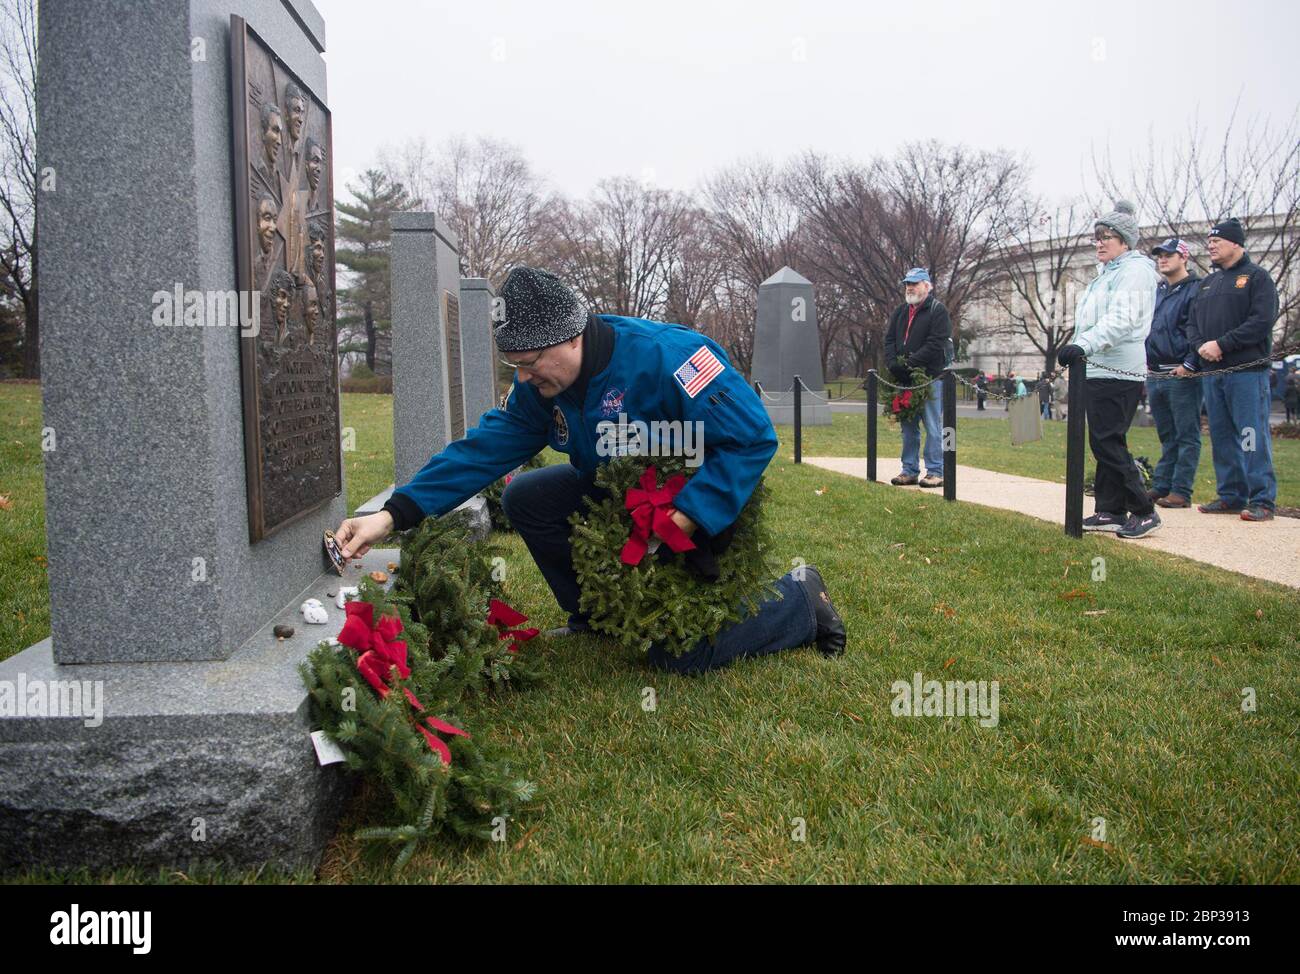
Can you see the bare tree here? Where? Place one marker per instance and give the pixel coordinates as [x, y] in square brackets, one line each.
[947, 208]
[1034, 290]
[755, 226]
[18, 176]
[619, 248]
[696, 270]
[754, 218]
[1250, 170]
[484, 188]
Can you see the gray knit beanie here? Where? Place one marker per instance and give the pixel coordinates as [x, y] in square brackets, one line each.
[1123, 221]
[540, 311]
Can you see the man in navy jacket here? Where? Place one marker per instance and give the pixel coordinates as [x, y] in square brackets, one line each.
[579, 378]
[1174, 391]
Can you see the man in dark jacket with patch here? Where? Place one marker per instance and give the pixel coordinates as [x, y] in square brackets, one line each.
[1174, 390]
[920, 333]
[1231, 324]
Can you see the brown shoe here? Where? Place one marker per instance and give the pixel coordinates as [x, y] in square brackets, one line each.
[1155, 495]
[930, 480]
[904, 480]
[1173, 500]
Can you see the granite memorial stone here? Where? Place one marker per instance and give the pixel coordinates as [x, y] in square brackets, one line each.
[786, 344]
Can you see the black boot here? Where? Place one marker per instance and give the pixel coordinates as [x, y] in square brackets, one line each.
[831, 636]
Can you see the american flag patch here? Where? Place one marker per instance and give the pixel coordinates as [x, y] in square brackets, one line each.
[698, 371]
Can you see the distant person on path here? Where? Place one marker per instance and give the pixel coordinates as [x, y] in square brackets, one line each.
[919, 332]
[1175, 402]
[1061, 393]
[1232, 323]
[1045, 397]
[1111, 322]
[981, 390]
[1291, 396]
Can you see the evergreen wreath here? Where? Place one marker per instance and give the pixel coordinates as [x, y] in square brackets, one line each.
[909, 404]
[664, 599]
[394, 707]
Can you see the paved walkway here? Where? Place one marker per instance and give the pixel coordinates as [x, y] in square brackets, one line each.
[1269, 550]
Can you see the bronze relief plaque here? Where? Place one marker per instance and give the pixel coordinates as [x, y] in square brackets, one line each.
[455, 379]
[284, 258]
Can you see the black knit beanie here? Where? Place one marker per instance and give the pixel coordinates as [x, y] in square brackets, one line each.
[1229, 229]
[540, 311]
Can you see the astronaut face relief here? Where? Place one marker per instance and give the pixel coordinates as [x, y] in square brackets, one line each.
[657, 438]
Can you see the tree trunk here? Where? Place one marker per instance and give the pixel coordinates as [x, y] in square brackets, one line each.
[31, 336]
[370, 338]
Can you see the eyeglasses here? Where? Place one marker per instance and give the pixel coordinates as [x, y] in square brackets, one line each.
[1098, 238]
[526, 366]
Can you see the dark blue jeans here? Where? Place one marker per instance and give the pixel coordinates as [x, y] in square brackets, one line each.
[1237, 405]
[539, 503]
[1176, 409]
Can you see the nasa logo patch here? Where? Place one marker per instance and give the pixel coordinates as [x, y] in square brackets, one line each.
[611, 403]
[561, 426]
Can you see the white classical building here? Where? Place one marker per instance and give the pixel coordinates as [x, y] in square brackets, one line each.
[1001, 346]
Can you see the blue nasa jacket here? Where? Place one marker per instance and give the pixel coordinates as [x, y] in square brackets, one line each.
[648, 371]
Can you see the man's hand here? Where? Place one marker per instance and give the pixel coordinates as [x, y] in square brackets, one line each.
[683, 522]
[356, 535]
[1210, 351]
[1180, 371]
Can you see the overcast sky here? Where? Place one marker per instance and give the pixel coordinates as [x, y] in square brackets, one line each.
[672, 90]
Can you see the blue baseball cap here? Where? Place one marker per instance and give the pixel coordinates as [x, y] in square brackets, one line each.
[916, 275]
[1172, 245]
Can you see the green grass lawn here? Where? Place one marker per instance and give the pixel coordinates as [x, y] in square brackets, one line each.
[987, 443]
[1131, 713]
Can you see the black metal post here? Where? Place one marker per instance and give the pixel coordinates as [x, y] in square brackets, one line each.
[873, 394]
[949, 435]
[798, 420]
[1074, 398]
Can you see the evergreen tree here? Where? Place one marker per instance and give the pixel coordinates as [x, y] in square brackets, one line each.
[363, 248]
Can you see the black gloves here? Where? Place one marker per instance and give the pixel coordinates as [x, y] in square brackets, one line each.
[901, 373]
[1068, 353]
[702, 560]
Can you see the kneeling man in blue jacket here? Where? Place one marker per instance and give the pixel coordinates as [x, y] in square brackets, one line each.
[577, 373]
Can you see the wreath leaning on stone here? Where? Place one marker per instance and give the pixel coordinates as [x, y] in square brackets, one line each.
[394, 689]
[665, 597]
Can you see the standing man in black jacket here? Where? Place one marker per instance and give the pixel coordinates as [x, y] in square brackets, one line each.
[919, 333]
[1232, 323]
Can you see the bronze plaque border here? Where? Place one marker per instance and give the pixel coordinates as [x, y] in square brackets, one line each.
[454, 341]
[245, 280]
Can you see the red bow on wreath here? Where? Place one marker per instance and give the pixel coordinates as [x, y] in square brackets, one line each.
[652, 510]
[380, 653]
[503, 617]
[902, 402]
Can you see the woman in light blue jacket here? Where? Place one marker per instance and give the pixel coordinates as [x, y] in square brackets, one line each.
[1111, 322]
